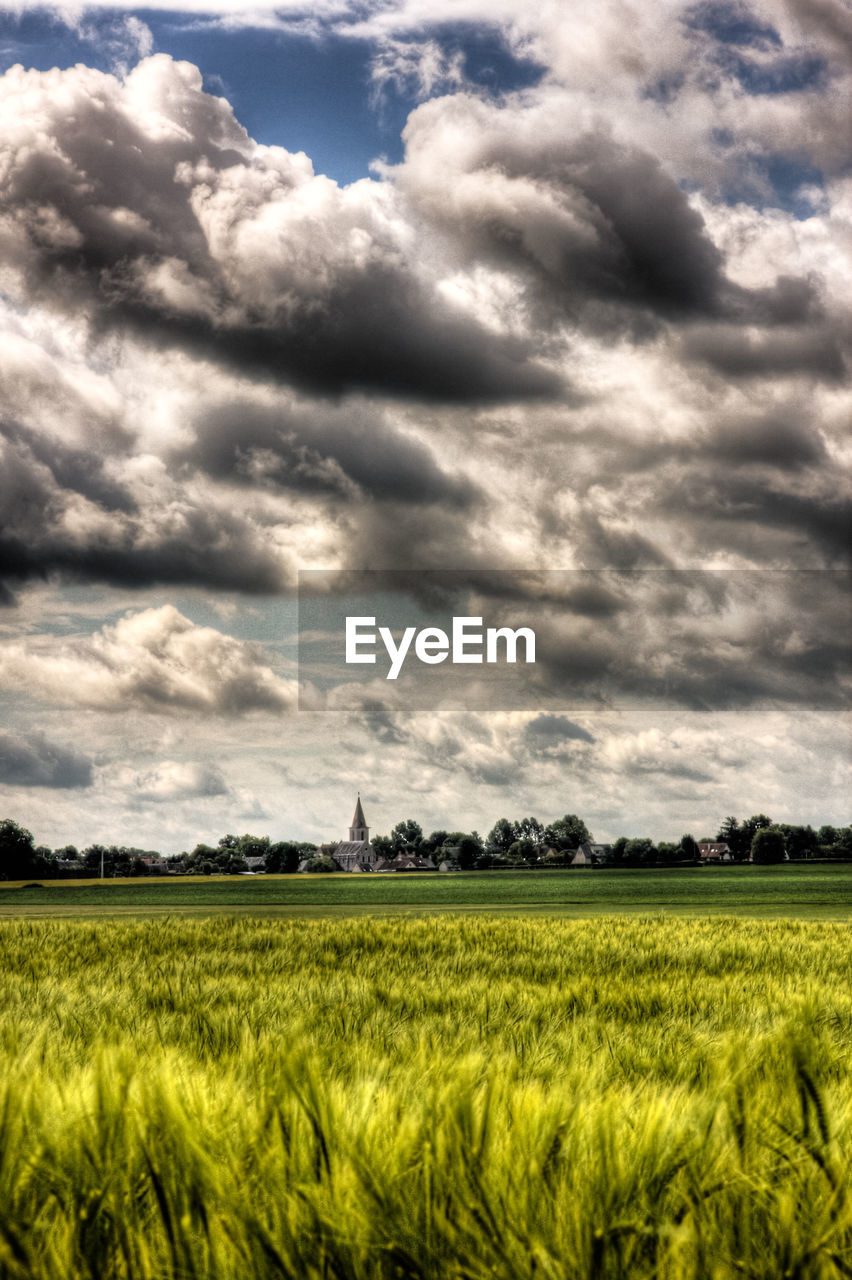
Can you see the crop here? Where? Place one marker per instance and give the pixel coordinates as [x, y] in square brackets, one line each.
[450, 1097]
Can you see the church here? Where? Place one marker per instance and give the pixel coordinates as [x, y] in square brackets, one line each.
[356, 853]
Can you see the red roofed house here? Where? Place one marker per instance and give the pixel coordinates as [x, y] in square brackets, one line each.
[714, 851]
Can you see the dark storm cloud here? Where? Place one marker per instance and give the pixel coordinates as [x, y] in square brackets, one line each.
[639, 768]
[597, 228]
[81, 470]
[547, 730]
[380, 721]
[737, 354]
[382, 334]
[31, 760]
[214, 549]
[710, 641]
[321, 451]
[41, 484]
[137, 202]
[778, 441]
[741, 509]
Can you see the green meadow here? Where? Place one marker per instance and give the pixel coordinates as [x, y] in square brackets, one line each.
[822, 890]
[402, 1097]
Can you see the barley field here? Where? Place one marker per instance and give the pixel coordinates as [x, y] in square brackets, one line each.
[450, 1096]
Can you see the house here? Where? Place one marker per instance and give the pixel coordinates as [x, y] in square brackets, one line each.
[406, 861]
[591, 855]
[714, 851]
[256, 865]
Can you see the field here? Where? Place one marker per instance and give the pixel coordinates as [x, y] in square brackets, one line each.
[821, 891]
[450, 1096]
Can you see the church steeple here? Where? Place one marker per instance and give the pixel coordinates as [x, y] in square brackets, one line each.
[359, 829]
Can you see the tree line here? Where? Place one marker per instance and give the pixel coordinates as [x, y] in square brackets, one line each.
[524, 842]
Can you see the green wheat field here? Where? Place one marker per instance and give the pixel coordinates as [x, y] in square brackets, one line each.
[417, 1096]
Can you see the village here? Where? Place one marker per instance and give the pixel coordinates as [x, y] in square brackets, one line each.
[524, 844]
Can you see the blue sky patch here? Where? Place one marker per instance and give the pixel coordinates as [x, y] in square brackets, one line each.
[732, 24]
[793, 73]
[306, 94]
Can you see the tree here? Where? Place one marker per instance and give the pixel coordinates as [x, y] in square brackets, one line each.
[522, 851]
[567, 833]
[640, 851]
[406, 834]
[689, 846]
[249, 846]
[284, 856]
[757, 822]
[739, 835]
[467, 847]
[501, 835]
[19, 858]
[736, 838]
[767, 845]
[433, 842]
[843, 841]
[321, 864]
[668, 852]
[117, 860]
[619, 851]
[827, 835]
[800, 842]
[221, 861]
[530, 829]
[382, 846]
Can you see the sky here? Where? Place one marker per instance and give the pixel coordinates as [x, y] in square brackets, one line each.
[534, 313]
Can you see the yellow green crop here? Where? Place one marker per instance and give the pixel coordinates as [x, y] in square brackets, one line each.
[450, 1097]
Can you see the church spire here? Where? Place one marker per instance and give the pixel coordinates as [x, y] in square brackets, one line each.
[359, 829]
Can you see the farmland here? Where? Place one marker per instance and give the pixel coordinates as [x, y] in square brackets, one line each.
[822, 891]
[448, 1096]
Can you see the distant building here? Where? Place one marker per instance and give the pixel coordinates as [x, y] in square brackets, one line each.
[714, 851]
[408, 862]
[356, 853]
[591, 855]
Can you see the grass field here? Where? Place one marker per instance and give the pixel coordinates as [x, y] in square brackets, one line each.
[808, 891]
[456, 1097]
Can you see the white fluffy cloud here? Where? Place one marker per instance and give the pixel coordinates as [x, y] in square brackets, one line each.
[155, 660]
[171, 781]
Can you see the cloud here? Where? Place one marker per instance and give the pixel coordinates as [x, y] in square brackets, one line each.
[322, 450]
[178, 229]
[549, 731]
[101, 514]
[734, 353]
[542, 338]
[682, 754]
[32, 760]
[417, 67]
[155, 661]
[123, 40]
[173, 780]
